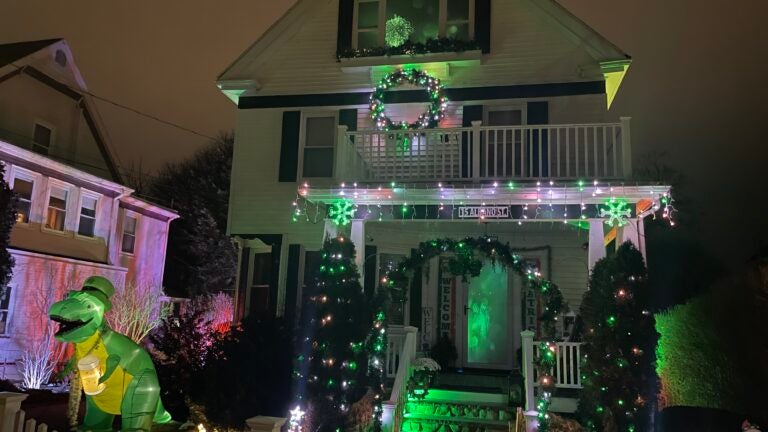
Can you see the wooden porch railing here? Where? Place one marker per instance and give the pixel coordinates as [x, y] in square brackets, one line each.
[392, 417]
[567, 373]
[12, 417]
[600, 150]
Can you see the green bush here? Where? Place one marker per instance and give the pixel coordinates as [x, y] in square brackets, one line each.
[709, 354]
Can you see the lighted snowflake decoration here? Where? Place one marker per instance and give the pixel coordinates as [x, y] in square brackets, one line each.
[295, 424]
[341, 212]
[615, 212]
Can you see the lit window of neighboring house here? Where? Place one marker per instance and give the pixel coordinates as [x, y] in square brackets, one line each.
[23, 189]
[56, 216]
[5, 305]
[87, 225]
[41, 139]
[129, 234]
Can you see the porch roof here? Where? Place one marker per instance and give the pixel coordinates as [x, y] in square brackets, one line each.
[555, 193]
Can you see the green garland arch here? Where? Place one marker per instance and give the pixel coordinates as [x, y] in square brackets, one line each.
[428, 119]
[467, 260]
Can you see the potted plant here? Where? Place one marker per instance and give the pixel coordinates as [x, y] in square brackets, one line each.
[424, 372]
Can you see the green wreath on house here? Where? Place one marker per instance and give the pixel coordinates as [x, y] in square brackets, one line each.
[428, 119]
[466, 260]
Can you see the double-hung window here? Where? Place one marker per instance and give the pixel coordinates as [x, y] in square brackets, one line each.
[23, 187]
[87, 223]
[430, 19]
[319, 144]
[128, 245]
[5, 307]
[56, 215]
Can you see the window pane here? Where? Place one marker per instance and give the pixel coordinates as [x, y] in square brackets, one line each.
[262, 269]
[458, 31]
[129, 243]
[41, 139]
[130, 225]
[86, 227]
[368, 15]
[318, 162]
[505, 118]
[458, 10]
[3, 321]
[320, 131]
[424, 16]
[55, 219]
[23, 188]
[22, 211]
[58, 198]
[5, 298]
[89, 203]
[369, 39]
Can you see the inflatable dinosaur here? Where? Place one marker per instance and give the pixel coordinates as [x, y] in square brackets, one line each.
[130, 387]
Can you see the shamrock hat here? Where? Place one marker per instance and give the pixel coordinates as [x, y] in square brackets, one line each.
[102, 288]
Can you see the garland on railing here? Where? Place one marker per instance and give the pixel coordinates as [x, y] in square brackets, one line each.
[431, 46]
[467, 260]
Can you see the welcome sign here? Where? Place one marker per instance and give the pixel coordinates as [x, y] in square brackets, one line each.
[484, 212]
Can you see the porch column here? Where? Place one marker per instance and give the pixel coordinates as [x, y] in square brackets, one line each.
[357, 235]
[330, 230]
[527, 337]
[596, 242]
[633, 232]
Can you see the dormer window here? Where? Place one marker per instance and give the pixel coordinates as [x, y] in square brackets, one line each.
[431, 19]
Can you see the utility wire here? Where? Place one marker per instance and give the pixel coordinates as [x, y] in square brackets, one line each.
[127, 108]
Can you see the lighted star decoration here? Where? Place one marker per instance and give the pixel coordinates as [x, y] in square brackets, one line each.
[616, 212]
[341, 212]
[296, 420]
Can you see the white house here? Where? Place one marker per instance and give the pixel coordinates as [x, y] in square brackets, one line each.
[524, 148]
[75, 218]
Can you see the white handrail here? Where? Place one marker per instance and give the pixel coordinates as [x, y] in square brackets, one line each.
[392, 416]
[565, 151]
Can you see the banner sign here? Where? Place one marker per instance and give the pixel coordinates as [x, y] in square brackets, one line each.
[446, 301]
[485, 212]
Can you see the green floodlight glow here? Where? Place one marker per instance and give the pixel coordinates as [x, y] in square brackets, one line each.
[615, 212]
[341, 212]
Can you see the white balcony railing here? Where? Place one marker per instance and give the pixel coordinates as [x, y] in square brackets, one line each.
[479, 152]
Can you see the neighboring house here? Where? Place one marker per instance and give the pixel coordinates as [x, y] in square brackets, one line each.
[527, 152]
[74, 219]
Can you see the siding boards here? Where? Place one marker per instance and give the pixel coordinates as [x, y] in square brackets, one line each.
[527, 48]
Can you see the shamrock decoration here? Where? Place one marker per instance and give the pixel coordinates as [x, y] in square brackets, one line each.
[616, 212]
[341, 212]
[397, 31]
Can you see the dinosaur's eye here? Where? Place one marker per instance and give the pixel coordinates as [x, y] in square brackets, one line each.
[90, 306]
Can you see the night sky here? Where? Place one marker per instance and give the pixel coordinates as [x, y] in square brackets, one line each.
[697, 88]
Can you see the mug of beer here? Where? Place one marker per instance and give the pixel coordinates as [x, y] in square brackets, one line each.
[90, 374]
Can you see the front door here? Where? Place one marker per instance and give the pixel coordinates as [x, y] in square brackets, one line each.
[485, 318]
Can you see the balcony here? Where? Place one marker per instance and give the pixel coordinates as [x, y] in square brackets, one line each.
[483, 153]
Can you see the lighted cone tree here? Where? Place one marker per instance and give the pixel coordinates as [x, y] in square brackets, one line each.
[340, 344]
[619, 346]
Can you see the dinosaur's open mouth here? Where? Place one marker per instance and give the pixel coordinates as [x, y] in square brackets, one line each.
[67, 325]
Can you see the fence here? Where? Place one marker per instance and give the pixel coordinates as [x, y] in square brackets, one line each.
[12, 417]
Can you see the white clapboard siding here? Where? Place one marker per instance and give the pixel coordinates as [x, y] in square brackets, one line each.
[526, 48]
